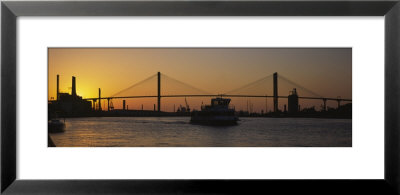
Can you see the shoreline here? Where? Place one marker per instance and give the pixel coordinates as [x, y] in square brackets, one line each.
[141, 116]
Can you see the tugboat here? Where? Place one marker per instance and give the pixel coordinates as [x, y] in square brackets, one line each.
[218, 113]
[56, 126]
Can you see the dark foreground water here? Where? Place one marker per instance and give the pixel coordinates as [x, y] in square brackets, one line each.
[177, 131]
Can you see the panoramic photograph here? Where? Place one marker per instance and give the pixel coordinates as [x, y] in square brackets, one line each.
[199, 97]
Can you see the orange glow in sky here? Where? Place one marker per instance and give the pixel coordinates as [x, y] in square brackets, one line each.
[326, 71]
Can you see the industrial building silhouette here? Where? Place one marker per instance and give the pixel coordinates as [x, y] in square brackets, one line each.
[69, 104]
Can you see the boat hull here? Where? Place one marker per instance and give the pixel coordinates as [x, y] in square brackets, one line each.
[56, 127]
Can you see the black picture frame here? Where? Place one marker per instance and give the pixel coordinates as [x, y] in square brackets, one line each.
[11, 10]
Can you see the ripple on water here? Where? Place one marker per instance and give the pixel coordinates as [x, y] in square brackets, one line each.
[177, 131]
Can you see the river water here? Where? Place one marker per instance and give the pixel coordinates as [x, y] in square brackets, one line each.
[177, 131]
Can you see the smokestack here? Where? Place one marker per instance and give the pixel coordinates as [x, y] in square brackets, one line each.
[73, 93]
[58, 87]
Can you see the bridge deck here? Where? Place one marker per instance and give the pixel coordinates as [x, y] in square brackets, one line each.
[218, 95]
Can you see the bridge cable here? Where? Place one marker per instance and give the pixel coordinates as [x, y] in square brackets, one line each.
[134, 85]
[187, 85]
[248, 85]
[299, 86]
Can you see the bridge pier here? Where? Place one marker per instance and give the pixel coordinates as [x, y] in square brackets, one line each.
[58, 88]
[94, 104]
[338, 102]
[324, 99]
[99, 99]
[266, 104]
[108, 104]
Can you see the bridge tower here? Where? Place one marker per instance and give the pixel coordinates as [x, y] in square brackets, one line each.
[159, 91]
[275, 92]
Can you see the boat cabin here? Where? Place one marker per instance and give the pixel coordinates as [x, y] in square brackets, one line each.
[220, 102]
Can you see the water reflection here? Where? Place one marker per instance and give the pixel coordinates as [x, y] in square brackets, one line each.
[177, 131]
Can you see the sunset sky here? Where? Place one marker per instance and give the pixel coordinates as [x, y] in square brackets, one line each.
[325, 71]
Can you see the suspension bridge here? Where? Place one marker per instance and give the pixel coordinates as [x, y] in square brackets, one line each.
[241, 92]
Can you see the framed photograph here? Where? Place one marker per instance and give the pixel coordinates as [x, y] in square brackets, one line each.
[162, 111]
[199, 97]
